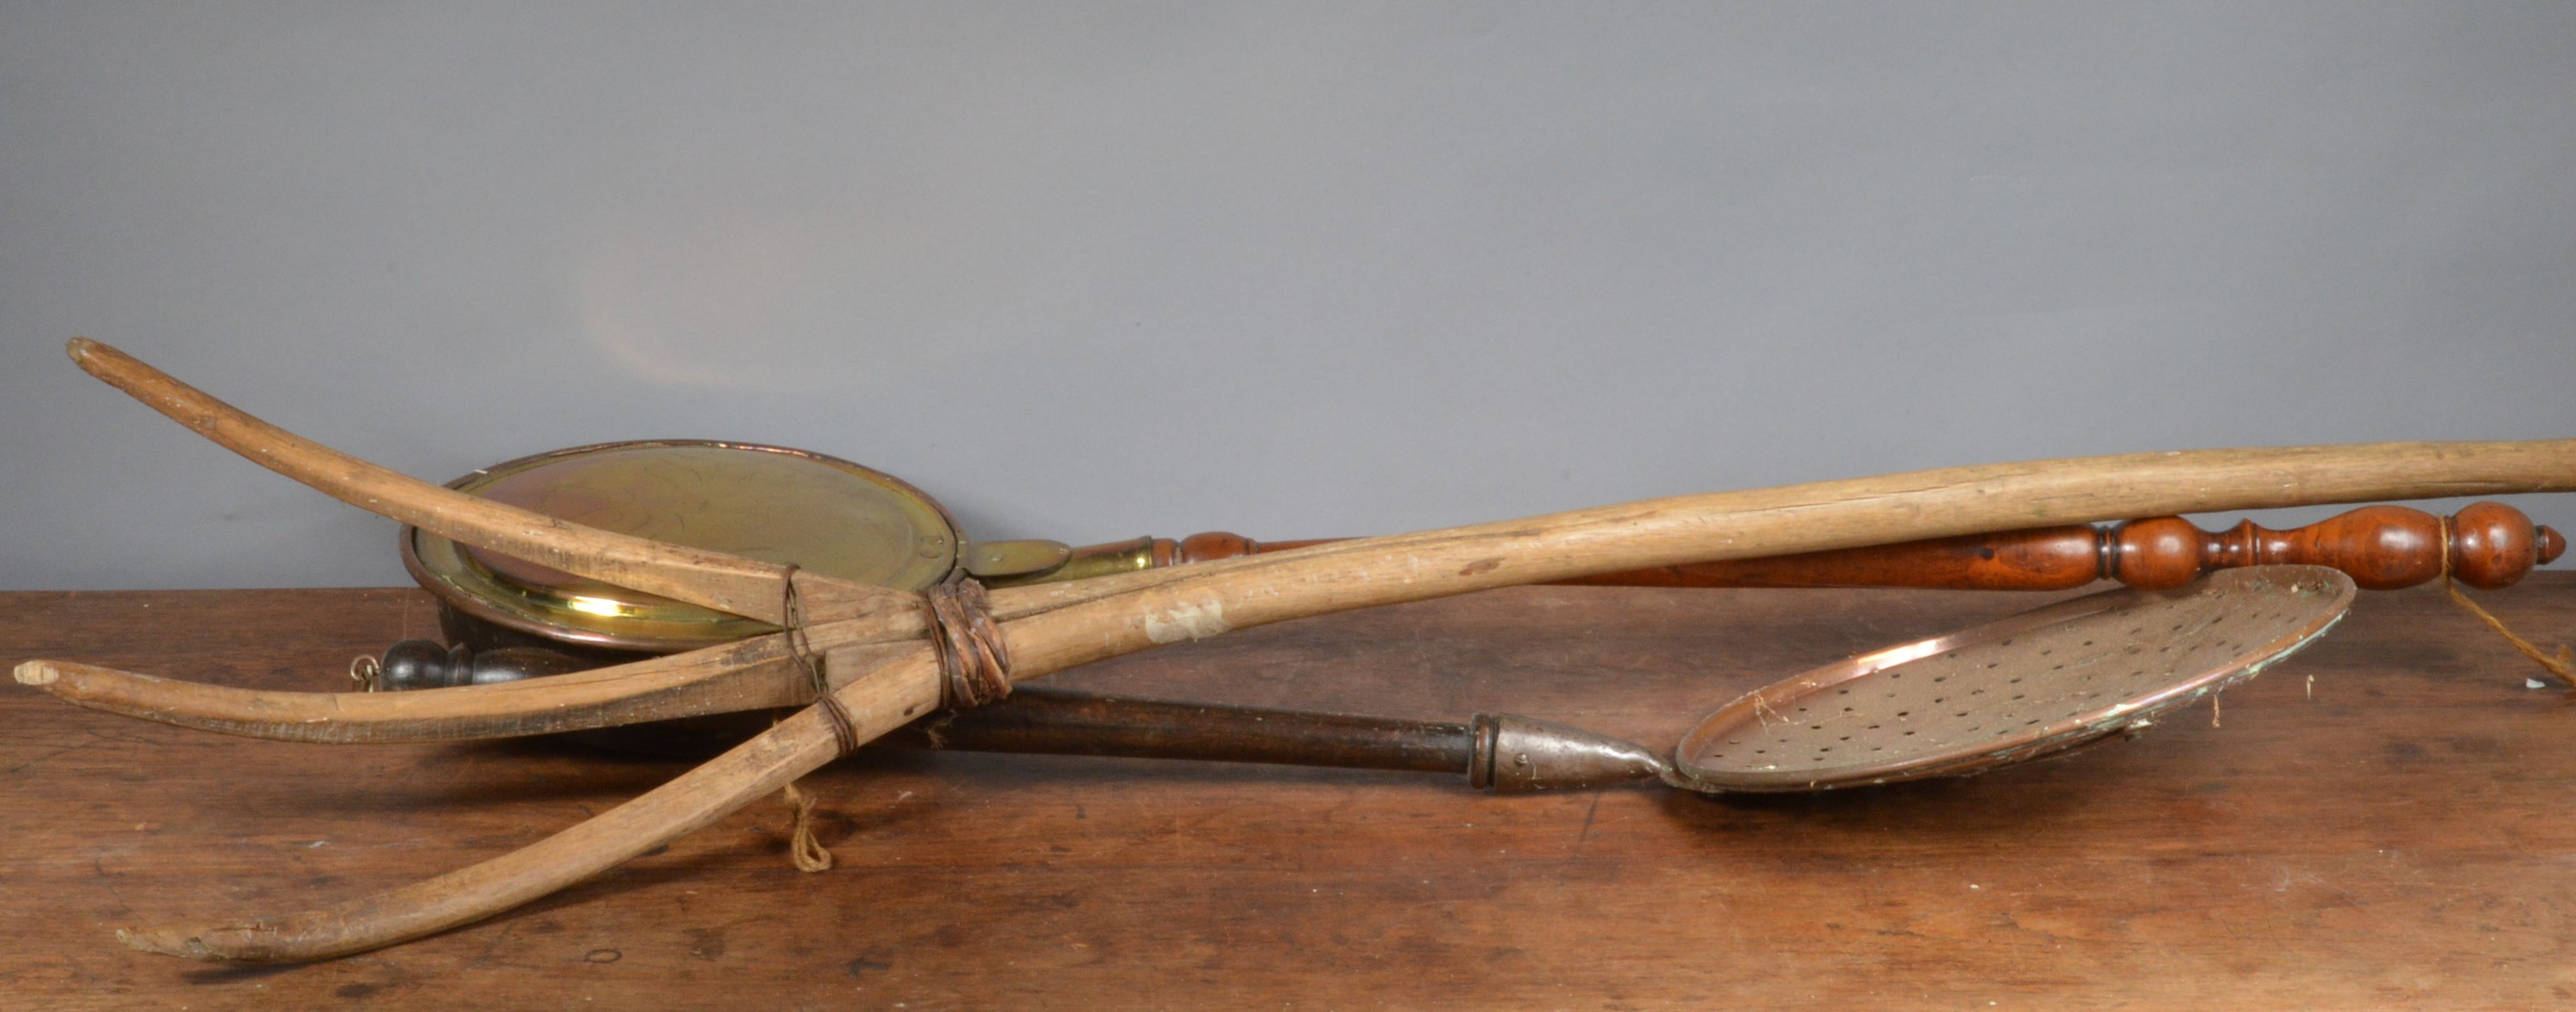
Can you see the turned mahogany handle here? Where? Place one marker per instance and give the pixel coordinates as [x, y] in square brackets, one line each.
[2487, 545]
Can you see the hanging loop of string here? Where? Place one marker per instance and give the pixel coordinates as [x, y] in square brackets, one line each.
[2563, 665]
[974, 665]
[803, 850]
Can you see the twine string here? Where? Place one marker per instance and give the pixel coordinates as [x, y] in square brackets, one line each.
[2562, 666]
[803, 850]
[791, 614]
[806, 852]
[974, 665]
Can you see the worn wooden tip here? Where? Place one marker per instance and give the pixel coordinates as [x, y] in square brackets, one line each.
[2552, 544]
[97, 358]
[37, 673]
[287, 940]
[169, 942]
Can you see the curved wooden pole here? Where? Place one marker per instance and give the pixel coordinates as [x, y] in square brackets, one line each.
[728, 583]
[2156, 553]
[750, 674]
[2487, 545]
[1853, 513]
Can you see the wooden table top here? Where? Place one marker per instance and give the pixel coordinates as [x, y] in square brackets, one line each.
[2386, 820]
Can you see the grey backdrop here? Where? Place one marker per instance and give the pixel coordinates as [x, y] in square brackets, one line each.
[1092, 271]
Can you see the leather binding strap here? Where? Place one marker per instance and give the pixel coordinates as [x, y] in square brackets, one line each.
[974, 663]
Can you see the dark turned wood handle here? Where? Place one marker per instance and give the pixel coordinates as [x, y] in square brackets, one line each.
[1048, 721]
[421, 664]
[2487, 545]
[1496, 752]
[1042, 720]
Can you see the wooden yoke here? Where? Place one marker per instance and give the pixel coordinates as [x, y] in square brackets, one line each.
[886, 673]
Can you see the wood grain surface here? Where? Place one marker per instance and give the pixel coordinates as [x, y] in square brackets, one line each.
[2403, 839]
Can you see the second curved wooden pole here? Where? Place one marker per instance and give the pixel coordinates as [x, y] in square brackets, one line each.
[2487, 545]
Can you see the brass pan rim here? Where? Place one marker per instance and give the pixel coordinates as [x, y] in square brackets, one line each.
[472, 592]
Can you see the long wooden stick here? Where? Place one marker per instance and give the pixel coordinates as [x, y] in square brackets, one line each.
[1050, 628]
[1790, 519]
[750, 674]
[2487, 545]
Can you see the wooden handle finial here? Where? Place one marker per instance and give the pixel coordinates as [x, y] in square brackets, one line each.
[2487, 545]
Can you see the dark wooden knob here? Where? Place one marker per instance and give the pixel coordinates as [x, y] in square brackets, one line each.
[2493, 545]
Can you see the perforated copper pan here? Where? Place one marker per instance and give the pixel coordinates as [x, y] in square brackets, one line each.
[2039, 682]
